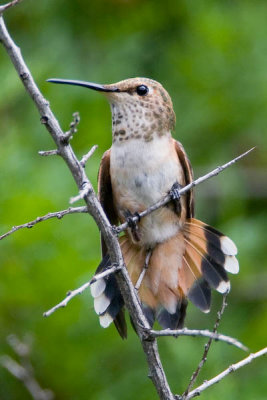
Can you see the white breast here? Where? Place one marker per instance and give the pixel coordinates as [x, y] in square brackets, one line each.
[142, 173]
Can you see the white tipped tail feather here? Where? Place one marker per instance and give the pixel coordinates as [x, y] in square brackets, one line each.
[228, 246]
[105, 320]
[186, 266]
[231, 264]
[98, 287]
[101, 304]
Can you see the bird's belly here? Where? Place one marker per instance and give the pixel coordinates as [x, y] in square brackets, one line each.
[140, 179]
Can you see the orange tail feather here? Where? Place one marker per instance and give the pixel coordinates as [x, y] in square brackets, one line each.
[185, 266]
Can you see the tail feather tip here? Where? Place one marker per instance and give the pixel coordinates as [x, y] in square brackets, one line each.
[228, 246]
[200, 295]
[101, 304]
[98, 287]
[231, 264]
[105, 320]
[224, 287]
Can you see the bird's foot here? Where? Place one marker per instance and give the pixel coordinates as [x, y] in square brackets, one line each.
[175, 191]
[132, 223]
[175, 196]
[130, 219]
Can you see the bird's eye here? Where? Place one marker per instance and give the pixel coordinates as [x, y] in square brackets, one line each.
[142, 90]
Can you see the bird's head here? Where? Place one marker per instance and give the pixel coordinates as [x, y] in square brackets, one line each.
[141, 107]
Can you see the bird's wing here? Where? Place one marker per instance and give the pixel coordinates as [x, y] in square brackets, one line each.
[188, 173]
[114, 312]
[105, 194]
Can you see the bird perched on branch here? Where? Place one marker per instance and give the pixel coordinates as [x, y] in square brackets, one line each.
[186, 256]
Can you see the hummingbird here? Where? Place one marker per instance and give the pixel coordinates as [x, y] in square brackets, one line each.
[187, 257]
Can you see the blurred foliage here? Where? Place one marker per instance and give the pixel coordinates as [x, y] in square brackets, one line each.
[212, 58]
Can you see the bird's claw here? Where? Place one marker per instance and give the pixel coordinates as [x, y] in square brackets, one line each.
[132, 224]
[175, 196]
[115, 230]
[131, 221]
[175, 191]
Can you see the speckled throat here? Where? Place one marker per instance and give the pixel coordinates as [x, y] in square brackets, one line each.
[135, 120]
[140, 117]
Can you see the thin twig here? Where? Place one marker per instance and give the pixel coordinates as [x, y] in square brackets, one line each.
[24, 371]
[23, 375]
[122, 227]
[22, 349]
[85, 191]
[81, 289]
[73, 127]
[227, 371]
[88, 155]
[46, 153]
[207, 347]
[57, 214]
[198, 332]
[142, 275]
[185, 189]
[8, 5]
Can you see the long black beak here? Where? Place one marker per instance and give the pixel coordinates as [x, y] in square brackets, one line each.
[90, 85]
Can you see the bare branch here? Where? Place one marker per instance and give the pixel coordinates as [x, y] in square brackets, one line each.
[198, 332]
[88, 155]
[81, 289]
[73, 127]
[185, 189]
[218, 378]
[13, 367]
[23, 375]
[48, 153]
[8, 5]
[24, 371]
[57, 214]
[22, 349]
[142, 275]
[85, 191]
[207, 347]
[87, 188]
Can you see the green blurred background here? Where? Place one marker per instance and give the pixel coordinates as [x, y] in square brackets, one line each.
[212, 58]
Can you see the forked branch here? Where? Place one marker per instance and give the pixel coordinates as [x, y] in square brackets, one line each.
[201, 333]
[182, 191]
[206, 348]
[124, 226]
[23, 369]
[8, 5]
[227, 371]
[57, 214]
[81, 289]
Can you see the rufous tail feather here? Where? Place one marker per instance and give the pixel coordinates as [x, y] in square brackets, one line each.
[184, 267]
